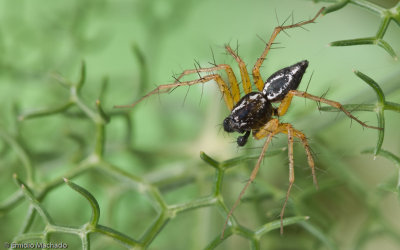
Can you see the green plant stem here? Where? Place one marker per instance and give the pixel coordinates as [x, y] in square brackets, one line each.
[85, 242]
[22, 155]
[90, 198]
[369, 6]
[392, 106]
[46, 112]
[378, 108]
[277, 224]
[12, 201]
[386, 15]
[198, 203]
[82, 167]
[42, 212]
[395, 160]
[83, 232]
[100, 137]
[125, 240]
[30, 216]
[155, 228]
[319, 234]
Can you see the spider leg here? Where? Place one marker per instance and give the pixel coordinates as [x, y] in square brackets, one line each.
[283, 128]
[231, 95]
[256, 69]
[288, 128]
[291, 171]
[310, 159]
[288, 98]
[272, 125]
[291, 132]
[243, 70]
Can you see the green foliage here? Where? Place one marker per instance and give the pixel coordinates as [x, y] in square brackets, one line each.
[137, 172]
[379, 108]
[386, 14]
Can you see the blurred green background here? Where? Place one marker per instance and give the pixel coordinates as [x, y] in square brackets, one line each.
[137, 45]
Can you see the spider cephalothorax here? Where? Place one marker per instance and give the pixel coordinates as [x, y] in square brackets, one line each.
[253, 113]
[250, 113]
[254, 110]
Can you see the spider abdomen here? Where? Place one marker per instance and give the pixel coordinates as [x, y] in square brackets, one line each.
[281, 82]
[251, 112]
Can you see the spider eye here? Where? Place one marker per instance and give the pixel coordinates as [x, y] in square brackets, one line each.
[228, 125]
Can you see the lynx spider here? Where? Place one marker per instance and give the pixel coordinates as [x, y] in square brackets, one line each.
[253, 113]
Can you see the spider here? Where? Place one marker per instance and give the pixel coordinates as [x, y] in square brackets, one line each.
[254, 113]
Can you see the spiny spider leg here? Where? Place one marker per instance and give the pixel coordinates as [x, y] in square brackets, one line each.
[258, 81]
[272, 128]
[291, 171]
[291, 132]
[243, 70]
[282, 128]
[251, 179]
[288, 98]
[231, 95]
[310, 159]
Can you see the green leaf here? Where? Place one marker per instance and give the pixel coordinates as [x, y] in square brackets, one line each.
[396, 161]
[318, 233]
[237, 160]
[217, 240]
[82, 77]
[367, 41]
[351, 107]
[383, 44]
[335, 7]
[124, 239]
[380, 108]
[21, 153]
[31, 198]
[101, 112]
[276, 224]
[357, 41]
[392, 106]
[386, 154]
[209, 160]
[45, 111]
[89, 197]
[143, 69]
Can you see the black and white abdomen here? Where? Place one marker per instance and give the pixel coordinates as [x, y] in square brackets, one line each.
[281, 82]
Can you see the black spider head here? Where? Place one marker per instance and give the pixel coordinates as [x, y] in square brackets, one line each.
[251, 112]
[229, 125]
